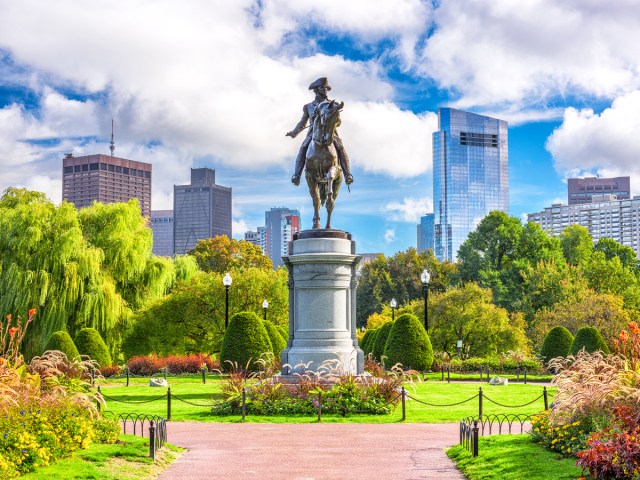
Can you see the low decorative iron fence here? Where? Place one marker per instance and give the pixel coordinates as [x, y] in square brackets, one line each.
[157, 428]
[472, 427]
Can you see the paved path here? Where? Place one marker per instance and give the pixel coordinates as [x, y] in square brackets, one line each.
[312, 451]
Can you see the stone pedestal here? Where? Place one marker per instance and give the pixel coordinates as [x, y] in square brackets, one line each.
[322, 302]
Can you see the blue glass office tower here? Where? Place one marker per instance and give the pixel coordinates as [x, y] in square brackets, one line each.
[470, 176]
[426, 235]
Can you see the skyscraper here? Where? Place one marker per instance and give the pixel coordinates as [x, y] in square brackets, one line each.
[470, 176]
[426, 233]
[201, 210]
[162, 226]
[106, 179]
[280, 225]
[582, 190]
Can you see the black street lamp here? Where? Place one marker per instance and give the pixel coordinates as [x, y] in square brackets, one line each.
[425, 277]
[393, 304]
[226, 281]
[265, 305]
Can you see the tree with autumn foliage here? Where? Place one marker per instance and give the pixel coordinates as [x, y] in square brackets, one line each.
[222, 254]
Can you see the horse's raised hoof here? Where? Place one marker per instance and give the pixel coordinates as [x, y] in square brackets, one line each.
[349, 179]
[295, 180]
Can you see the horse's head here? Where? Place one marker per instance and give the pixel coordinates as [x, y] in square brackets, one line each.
[326, 121]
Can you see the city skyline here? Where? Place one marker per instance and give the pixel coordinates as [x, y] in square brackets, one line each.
[219, 85]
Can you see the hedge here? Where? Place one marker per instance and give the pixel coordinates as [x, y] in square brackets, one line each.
[557, 343]
[408, 344]
[90, 343]
[245, 341]
[590, 339]
[61, 340]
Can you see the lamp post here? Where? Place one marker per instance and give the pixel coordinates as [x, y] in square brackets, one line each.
[393, 304]
[265, 305]
[226, 281]
[425, 293]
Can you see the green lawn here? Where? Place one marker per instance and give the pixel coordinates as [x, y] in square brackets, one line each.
[127, 459]
[513, 457]
[190, 389]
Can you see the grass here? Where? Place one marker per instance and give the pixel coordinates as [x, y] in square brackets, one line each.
[434, 392]
[128, 459]
[513, 457]
[475, 376]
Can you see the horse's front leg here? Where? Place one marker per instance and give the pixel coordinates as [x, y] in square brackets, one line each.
[315, 197]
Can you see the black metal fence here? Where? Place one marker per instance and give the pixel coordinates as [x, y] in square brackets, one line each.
[157, 428]
[472, 427]
[317, 402]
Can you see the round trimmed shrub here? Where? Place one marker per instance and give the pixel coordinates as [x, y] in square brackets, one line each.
[590, 339]
[244, 341]
[61, 340]
[277, 342]
[381, 341]
[90, 343]
[557, 343]
[409, 344]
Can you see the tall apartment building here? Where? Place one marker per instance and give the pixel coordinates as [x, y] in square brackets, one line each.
[581, 190]
[280, 225]
[162, 227]
[201, 210]
[252, 237]
[106, 179]
[605, 216]
[470, 176]
[426, 233]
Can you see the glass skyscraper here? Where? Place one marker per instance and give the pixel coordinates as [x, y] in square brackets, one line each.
[470, 176]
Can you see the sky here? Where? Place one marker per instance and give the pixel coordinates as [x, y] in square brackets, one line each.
[218, 83]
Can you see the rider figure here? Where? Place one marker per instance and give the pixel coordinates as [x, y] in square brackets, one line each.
[320, 87]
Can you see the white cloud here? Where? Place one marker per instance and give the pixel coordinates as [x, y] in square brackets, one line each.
[409, 210]
[606, 144]
[505, 52]
[389, 235]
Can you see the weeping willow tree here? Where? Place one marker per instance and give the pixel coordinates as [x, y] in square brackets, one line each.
[91, 268]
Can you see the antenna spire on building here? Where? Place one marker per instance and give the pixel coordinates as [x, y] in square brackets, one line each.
[112, 145]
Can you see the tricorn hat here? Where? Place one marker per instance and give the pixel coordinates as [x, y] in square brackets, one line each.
[319, 82]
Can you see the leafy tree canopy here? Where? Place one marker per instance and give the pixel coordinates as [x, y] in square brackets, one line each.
[222, 254]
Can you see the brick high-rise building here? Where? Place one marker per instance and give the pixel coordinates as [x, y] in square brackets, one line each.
[106, 179]
[582, 190]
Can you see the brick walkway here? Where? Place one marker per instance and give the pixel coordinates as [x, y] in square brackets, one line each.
[312, 451]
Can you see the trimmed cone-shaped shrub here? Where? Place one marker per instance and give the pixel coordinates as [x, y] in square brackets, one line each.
[244, 341]
[590, 339]
[284, 331]
[365, 338]
[381, 341]
[409, 344]
[371, 341]
[90, 343]
[61, 340]
[277, 342]
[557, 343]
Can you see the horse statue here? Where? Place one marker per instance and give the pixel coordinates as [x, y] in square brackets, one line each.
[322, 171]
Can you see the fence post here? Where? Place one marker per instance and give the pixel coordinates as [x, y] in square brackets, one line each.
[518, 374]
[404, 408]
[448, 373]
[244, 402]
[165, 373]
[546, 398]
[169, 403]
[525, 374]
[319, 406]
[98, 399]
[488, 375]
[480, 403]
[152, 441]
[204, 375]
[474, 438]
[127, 376]
[442, 368]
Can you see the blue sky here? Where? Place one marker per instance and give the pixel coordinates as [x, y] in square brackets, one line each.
[219, 83]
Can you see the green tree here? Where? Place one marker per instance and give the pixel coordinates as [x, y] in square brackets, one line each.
[191, 318]
[576, 243]
[221, 254]
[245, 341]
[409, 344]
[374, 289]
[611, 276]
[611, 249]
[468, 314]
